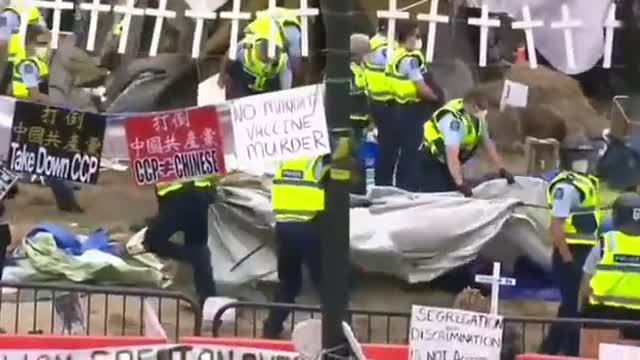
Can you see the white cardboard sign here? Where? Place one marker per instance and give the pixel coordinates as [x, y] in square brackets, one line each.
[618, 352]
[280, 125]
[450, 334]
[514, 94]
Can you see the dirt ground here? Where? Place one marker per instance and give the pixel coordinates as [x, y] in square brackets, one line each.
[116, 203]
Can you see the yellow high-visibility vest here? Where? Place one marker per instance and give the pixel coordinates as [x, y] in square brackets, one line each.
[260, 71]
[378, 86]
[165, 188]
[434, 141]
[19, 88]
[404, 89]
[617, 276]
[358, 94]
[588, 211]
[296, 193]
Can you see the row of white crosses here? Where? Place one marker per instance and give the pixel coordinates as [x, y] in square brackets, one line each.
[566, 23]
[129, 10]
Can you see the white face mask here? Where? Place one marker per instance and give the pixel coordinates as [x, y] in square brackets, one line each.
[581, 166]
[418, 45]
[481, 115]
[42, 52]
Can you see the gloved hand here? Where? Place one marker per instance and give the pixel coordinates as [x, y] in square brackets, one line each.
[505, 174]
[465, 189]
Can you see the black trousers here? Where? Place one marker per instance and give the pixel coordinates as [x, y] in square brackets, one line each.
[186, 210]
[5, 241]
[432, 175]
[565, 338]
[298, 244]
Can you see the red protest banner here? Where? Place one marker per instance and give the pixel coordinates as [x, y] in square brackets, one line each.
[171, 145]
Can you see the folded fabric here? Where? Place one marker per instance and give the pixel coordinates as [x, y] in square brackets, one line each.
[69, 242]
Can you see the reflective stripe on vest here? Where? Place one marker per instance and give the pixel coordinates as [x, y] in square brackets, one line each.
[404, 89]
[261, 28]
[378, 85]
[617, 276]
[260, 71]
[19, 88]
[588, 187]
[287, 17]
[296, 194]
[358, 94]
[165, 188]
[473, 129]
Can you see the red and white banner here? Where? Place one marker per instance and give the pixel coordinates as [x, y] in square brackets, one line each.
[171, 145]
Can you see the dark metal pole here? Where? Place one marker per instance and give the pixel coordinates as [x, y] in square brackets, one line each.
[335, 250]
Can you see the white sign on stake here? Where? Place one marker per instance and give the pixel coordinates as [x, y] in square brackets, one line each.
[199, 17]
[95, 8]
[392, 15]
[496, 281]
[610, 25]
[280, 125]
[450, 334]
[129, 11]
[58, 6]
[274, 14]
[433, 18]
[484, 22]
[514, 94]
[304, 12]
[160, 14]
[527, 24]
[235, 16]
[568, 25]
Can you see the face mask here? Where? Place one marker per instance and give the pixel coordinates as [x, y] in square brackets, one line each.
[581, 166]
[42, 52]
[418, 45]
[481, 115]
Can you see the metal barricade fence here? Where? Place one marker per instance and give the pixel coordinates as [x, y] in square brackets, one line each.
[60, 309]
[526, 333]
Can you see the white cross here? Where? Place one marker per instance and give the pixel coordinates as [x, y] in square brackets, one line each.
[392, 15]
[496, 281]
[199, 17]
[235, 16]
[95, 8]
[128, 10]
[610, 25]
[160, 14]
[57, 6]
[304, 12]
[433, 19]
[274, 14]
[568, 24]
[484, 22]
[528, 25]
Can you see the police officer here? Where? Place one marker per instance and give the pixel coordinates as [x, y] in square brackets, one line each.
[254, 72]
[451, 137]
[611, 274]
[30, 78]
[360, 117]
[297, 198]
[183, 205]
[289, 31]
[575, 225]
[399, 135]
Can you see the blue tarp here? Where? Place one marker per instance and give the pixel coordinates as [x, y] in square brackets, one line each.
[69, 242]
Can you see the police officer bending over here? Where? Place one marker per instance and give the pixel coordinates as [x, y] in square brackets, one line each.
[612, 269]
[183, 205]
[297, 198]
[575, 226]
[451, 137]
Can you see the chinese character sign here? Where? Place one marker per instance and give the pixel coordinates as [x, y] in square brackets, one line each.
[7, 179]
[55, 142]
[173, 145]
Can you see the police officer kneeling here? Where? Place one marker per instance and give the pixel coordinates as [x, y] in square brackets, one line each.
[297, 198]
[451, 137]
[575, 226]
[612, 269]
[184, 206]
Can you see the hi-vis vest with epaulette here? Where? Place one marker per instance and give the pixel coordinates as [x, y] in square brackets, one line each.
[377, 84]
[296, 193]
[403, 89]
[261, 72]
[617, 276]
[19, 88]
[169, 187]
[582, 227]
[261, 26]
[358, 94]
[15, 48]
[473, 127]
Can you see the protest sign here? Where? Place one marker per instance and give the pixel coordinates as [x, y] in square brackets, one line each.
[173, 145]
[449, 334]
[55, 142]
[7, 179]
[280, 125]
[152, 352]
[618, 352]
